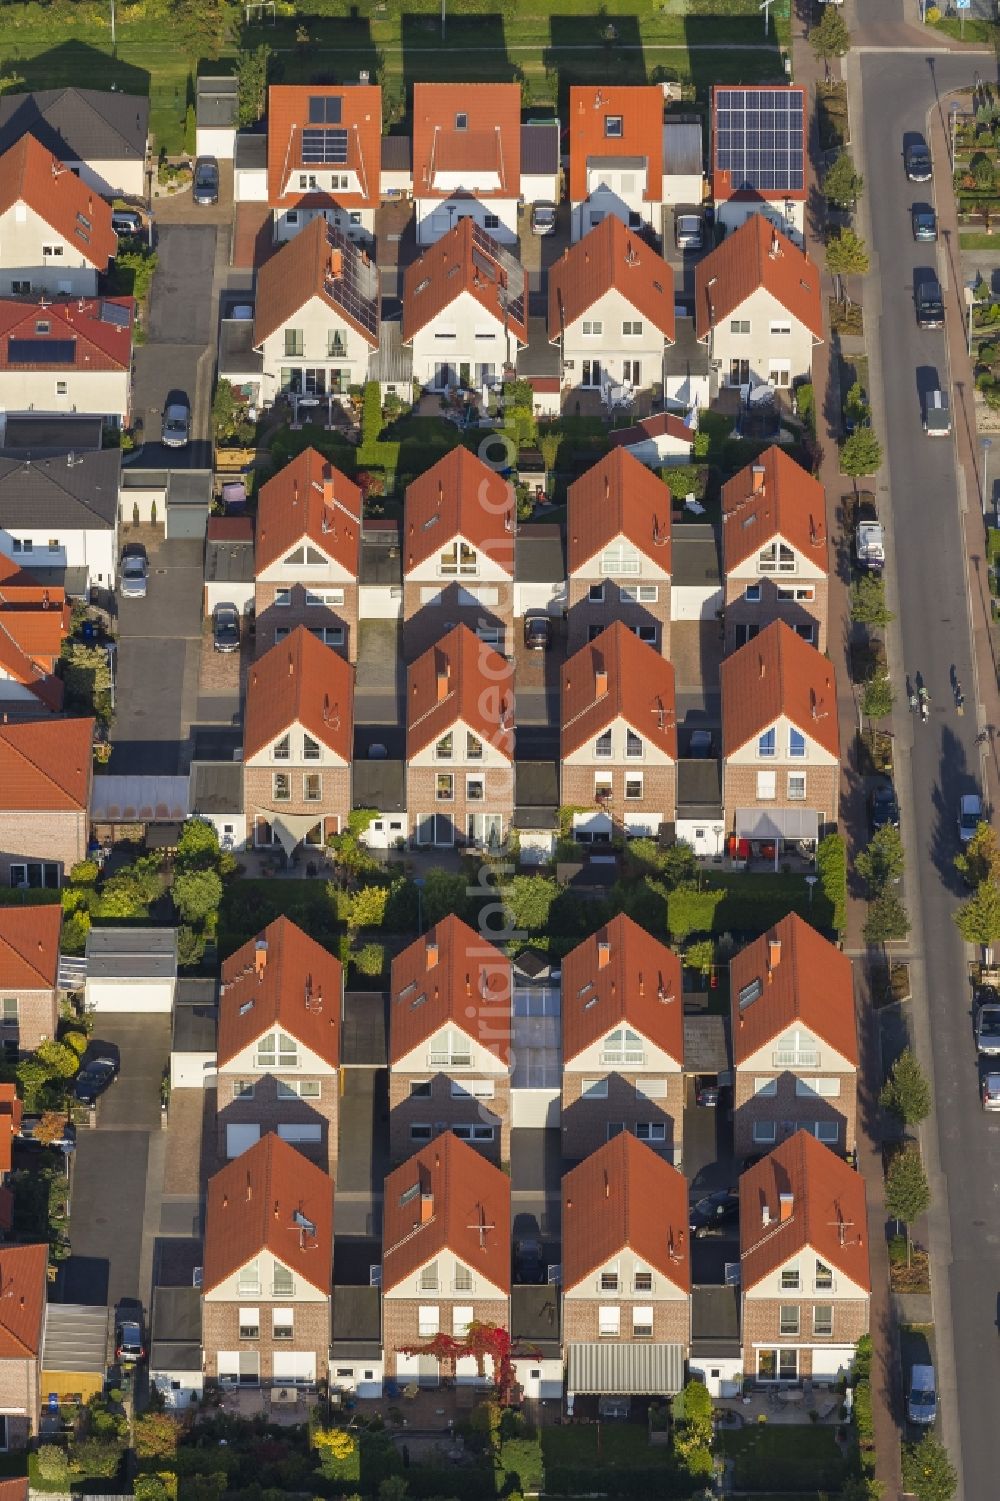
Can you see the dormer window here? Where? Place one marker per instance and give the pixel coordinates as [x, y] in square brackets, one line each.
[766, 744]
[42, 328]
[777, 558]
[461, 122]
[613, 127]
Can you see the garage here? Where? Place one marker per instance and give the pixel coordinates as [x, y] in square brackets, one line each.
[189, 500]
[131, 970]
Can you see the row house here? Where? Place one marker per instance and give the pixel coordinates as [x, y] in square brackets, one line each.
[308, 555]
[46, 775]
[460, 743]
[24, 1278]
[280, 1002]
[466, 158]
[618, 737]
[622, 1042]
[780, 742]
[758, 308]
[298, 743]
[618, 552]
[35, 619]
[450, 1027]
[458, 554]
[775, 556]
[794, 1040]
[100, 135]
[758, 155]
[626, 1273]
[465, 314]
[55, 231]
[616, 160]
[611, 311]
[324, 158]
[446, 1260]
[67, 355]
[316, 316]
[29, 974]
[805, 1278]
[268, 1269]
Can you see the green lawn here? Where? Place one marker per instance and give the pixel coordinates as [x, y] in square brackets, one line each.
[785, 1457]
[621, 1446]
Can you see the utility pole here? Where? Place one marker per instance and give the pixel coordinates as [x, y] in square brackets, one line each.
[444, 4]
[114, 43]
[765, 6]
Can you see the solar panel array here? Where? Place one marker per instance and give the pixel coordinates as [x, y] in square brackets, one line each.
[112, 312]
[759, 138]
[324, 109]
[489, 249]
[324, 147]
[41, 351]
[356, 288]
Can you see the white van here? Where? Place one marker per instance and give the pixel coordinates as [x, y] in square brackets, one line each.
[921, 1401]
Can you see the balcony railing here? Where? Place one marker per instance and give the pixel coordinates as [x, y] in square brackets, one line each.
[792, 1058]
[623, 1060]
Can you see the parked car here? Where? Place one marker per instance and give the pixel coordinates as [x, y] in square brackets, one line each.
[529, 1262]
[133, 573]
[883, 807]
[689, 231]
[921, 1400]
[929, 303]
[716, 1211]
[124, 222]
[706, 1091]
[543, 219]
[537, 632]
[176, 423]
[700, 745]
[226, 628]
[988, 1024]
[96, 1073]
[869, 538]
[206, 180]
[989, 1090]
[970, 815]
[937, 415]
[917, 161]
[924, 222]
[129, 1347]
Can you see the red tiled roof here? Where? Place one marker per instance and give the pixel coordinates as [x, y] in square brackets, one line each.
[27, 636]
[46, 765]
[723, 187]
[448, 976]
[465, 1192]
[99, 345]
[489, 143]
[231, 528]
[11, 1109]
[459, 496]
[360, 115]
[320, 262]
[13, 1490]
[661, 424]
[29, 947]
[30, 174]
[460, 678]
[300, 681]
[625, 1195]
[20, 586]
[827, 1194]
[618, 497]
[756, 255]
[639, 983]
[611, 256]
[24, 1279]
[311, 499]
[773, 497]
[639, 688]
[252, 1206]
[449, 268]
[641, 109]
[811, 983]
[778, 673]
[283, 978]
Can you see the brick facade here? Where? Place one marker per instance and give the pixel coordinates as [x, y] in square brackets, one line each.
[39, 835]
[585, 1122]
[332, 808]
[267, 1111]
[739, 789]
[442, 1109]
[789, 1110]
[20, 1400]
[286, 617]
[424, 625]
[220, 1330]
[761, 1321]
[671, 1320]
[659, 788]
[37, 1019]
[582, 614]
[421, 783]
[738, 612]
[400, 1320]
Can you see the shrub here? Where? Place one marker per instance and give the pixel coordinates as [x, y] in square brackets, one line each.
[334, 1443]
[686, 479]
[831, 867]
[53, 1465]
[84, 873]
[190, 946]
[96, 1457]
[530, 900]
[197, 894]
[928, 1473]
[367, 907]
[155, 1435]
[159, 1487]
[369, 959]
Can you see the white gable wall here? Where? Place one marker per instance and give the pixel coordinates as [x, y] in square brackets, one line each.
[24, 239]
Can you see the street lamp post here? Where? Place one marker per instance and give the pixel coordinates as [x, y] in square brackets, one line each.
[418, 882]
[954, 122]
[985, 444]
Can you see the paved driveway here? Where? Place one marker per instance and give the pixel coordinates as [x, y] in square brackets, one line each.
[110, 1171]
[159, 655]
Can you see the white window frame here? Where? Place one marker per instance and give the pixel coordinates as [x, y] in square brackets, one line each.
[642, 1321]
[789, 1314]
[282, 1323]
[765, 1089]
[651, 1131]
[767, 786]
[609, 1321]
[428, 1320]
[593, 328]
[594, 1089]
[818, 1332]
[796, 786]
[249, 1323]
[473, 1089]
[765, 1133]
[826, 1088]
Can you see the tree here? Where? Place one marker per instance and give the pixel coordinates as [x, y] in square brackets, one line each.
[201, 27]
[842, 185]
[96, 1457]
[983, 172]
[229, 416]
[693, 1430]
[856, 406]
[62, 1062]
[548, 447]
[861, 453]
[846, 255]
[868, 606]
[197, 894]
[928, 1473]
[878, 697]
[907, 1091]
[368, 906]
[50, 1128]
[529, 899]
[251, 82]
[190, 946]
[87, 676]
[980, 859]
[978, 920]
[907, 1193]
[700, 956]
[198, 845]
[156, 1435]
[882, 861]
[887, 920]
[830, 38]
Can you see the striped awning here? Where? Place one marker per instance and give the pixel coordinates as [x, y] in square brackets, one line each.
[626, 1369]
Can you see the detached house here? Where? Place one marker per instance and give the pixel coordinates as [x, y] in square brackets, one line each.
[775, 551]
[279, 1044]
[618, 737]
[55, 232]
[67, 356]
[316, 318]
[466, 158]
[616, 160]
[622, 1042]
[757, 307]
[34, 622]
[324, 157]
[308, 552]
[780, 742]
[450, 1028]
[759, 153]
[458, 554]
[446, 1252]
[804, 1271]
[46, 770]
[62, 513]
[23, 1275]
[268, 1269]
[618, 552]
[465, 312]
[100, 135]
[298, 741]
[611, 310]
[460, 743]
[626, 1273]
[794, 1040]
[29, 970]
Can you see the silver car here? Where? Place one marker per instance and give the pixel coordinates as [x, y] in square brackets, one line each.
[543, 219]
[176, 424]
[133, 574]
[990, 1091]
[988, 1028]
[689, 231]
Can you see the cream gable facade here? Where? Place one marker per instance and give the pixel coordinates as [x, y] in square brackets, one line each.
[464, 343]
[459, 730]
[799, 1051]
[255, 1279]
[435, 216]
[786, 214]
[612, 349]
[654, 1061]
[36, 258]
[625, 1266]
[321, 569]
[483, 569]
[296, 757]
[642, 568]
[334, 354]
[445, 1269]
[437, 1054]
[308, 1063]
[814, 753]
[754, 568]
[587, 755]
[614, 187]
[776, 347]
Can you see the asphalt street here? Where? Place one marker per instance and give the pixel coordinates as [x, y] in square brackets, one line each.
[923, 502]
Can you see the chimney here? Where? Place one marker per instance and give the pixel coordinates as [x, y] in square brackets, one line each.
[765, 1216]
[762, 666]
[642, 986]
[426, 1208]
[603, 954]
[787, 1203]
[443, 674]
[431, 952]
[601, 683]
[249, 1188]
[758, 479]
[328, 495]
[773, 955]
[336, 263]
[260, 957]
